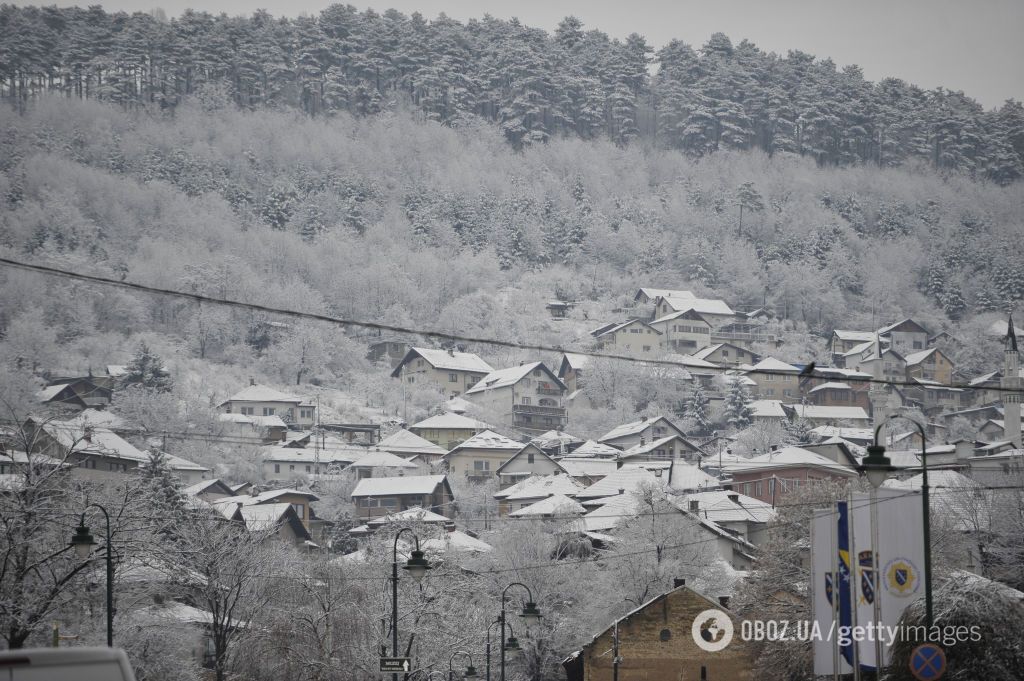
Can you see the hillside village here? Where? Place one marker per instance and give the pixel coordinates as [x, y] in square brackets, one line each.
[499, 445]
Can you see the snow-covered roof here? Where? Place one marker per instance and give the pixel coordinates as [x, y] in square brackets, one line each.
[985, 378]
[554, 438]
[450, 421]
[176, 463]
[855, 434]
[556, 504]
[861, 336]
[593, 448]
[689, 361]
[274, 453]
[723, 506]
[408, 484]
[831, 385]
[686, 476]
[503, 378]
[97, 418]
[488, 439]
[378, 459]
[259, 517]
[813, 411]
[456, 540]
[648, 447]
[610, 512]
[202, 486]
[618, 326]
[588, 467]
[624, 478]
[688, 313]
[918, 357]
[700, 305]
[271, 494]
[457, 405]
[50, 391]
[262, 393]
[403, 441]
[575, 360]
[537, 487]
[449, 360]
[653, 293]
[767, 409]
[838, 372]
[886, 329]
[634, 427]
[775, 365]
[101, 442]
[415, 514]
[789, 457]
[859, 349]
[935, 385]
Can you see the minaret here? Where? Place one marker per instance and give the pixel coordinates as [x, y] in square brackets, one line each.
[1011, 380]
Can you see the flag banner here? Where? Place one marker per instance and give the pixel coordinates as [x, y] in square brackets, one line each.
[899, 577]
[824, 561]
[844, 581]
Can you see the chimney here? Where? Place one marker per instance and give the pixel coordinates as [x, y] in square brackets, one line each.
[451, 352]
[643, 419]
[724, 601]
[734, 498]
[87, 434]
[622, 490]
[694, 506]
[252, 381]
[678, 582]
[775, 448]
[643, 440]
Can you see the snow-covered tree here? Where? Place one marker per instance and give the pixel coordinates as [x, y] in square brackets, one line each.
[738, 413]
[146, 369]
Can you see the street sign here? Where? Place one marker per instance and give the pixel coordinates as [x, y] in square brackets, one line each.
[928, 662]
[395, 664]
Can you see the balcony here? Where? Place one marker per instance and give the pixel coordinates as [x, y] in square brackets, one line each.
[537, 409]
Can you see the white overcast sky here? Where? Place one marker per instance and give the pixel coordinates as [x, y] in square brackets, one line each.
[970, 45]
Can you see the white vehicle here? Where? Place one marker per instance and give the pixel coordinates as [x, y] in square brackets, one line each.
[65, 664]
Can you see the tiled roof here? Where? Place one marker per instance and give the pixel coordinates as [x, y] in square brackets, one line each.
[262, 393]
[488, 439]
[403, 441]
[452, 361]
[450, 421]
[409, 484]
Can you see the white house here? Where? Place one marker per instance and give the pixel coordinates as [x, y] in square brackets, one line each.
[261, 400]
[530, 394]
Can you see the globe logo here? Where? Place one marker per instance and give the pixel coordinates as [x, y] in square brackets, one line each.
[712, 630]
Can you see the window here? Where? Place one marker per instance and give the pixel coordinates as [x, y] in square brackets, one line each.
[277, 468]
[389, 502]
[529, 457]
[769, 392]
[306, 413]
[536, 372]
[419, 363]
[411, 379]
[453, 378]
[291, 466]
[308, 469]
[268, 411]
[917, 345]
[725, 353]
[758, 488]
[746, 488]
[787, 392]
[481, 466]
[248, 411]
[300, 510]
[526, 400]
[647, 348]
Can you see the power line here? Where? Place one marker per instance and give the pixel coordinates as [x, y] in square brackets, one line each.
[442, 335]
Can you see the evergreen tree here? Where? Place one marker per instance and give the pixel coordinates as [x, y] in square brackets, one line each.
[147, 369]
[738, 413]
[163, 489]
[697, 408]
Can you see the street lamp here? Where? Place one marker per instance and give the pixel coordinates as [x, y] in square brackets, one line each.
[511, 645]
[470, 672]
[877, 467]
[82, 541]
[417, 567]
[530, 614]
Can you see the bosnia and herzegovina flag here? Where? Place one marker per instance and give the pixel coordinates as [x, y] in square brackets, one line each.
[845, 575]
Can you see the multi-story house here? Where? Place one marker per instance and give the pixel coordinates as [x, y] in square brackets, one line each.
[633, 337]
[843, 341]
[95, 453]
[931, 365]
[905, 336]
[448, 430]
[716, 312]
[776, 380]
[683, 332]
[640, 432]
[726, 354]
[669, 448]
[529, 461]
[531, 395]
[771, 476]
[479, 457]
[375, 497]
[260, 400]
[571, 370]
[451, 372]
[879, 361]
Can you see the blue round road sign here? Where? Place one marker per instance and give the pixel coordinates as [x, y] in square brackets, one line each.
[928, 662]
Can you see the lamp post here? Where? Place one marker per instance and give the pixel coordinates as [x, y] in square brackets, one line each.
[470, 672]
[511, 645]
[417, 567]
[877, 467]
[83, 541]
[530, 614]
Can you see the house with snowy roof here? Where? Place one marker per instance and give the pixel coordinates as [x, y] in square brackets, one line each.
[744, 516]
[261, 400]
[587, 471]
[556, 506]
[905, 336]
[375, 497]
[595, 450]
[714, 311]
[86, 392]
[931, 365]
[557, 443]
[448, 429]
[633, 337]
[669, 448]
[842, 340]
[529, 395]
[726, 354]
[93, 452]
[533, 489]
[481, 455]
[528, 461]
[775, 379]
[379, 463]
[642, 431]
[828, 416]
[683, 331]
[451, 372]
[407, 444]
[571, 368]
[284, 463]
[187, 472]
[771, 476]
